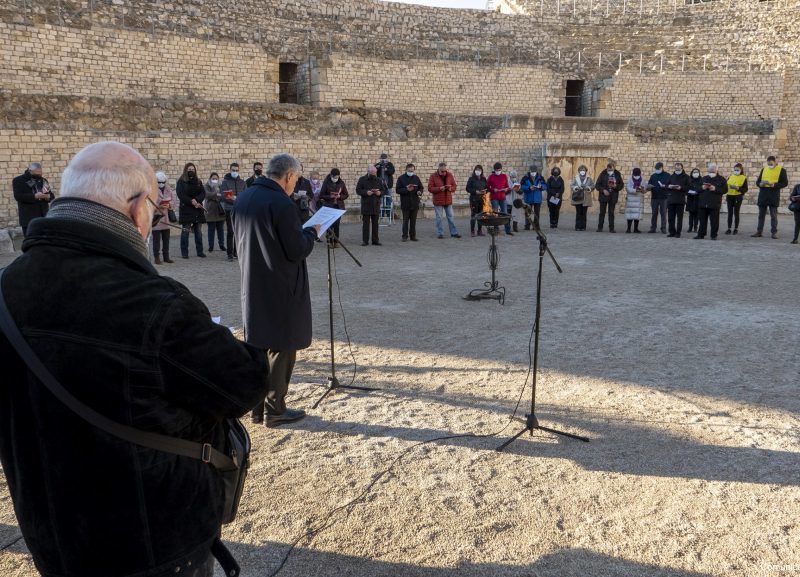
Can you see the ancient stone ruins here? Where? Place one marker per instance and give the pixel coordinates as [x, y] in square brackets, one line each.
[566, 82]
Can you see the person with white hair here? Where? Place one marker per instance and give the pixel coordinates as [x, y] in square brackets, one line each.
[167, 201]
[33, 194]
[132, 351]
[714, 187]
[370, 188]
[276, 300]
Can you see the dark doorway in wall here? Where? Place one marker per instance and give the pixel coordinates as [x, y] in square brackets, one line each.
[287, 80]
[573, 105]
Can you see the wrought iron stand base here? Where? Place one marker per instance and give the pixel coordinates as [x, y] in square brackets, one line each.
[493, 290]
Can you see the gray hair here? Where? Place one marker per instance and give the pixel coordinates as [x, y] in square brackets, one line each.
[109, 173]
[281, 165]
[710, 164]
[35, 166]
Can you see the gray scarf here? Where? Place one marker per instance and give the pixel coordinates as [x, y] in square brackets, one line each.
[82, 210]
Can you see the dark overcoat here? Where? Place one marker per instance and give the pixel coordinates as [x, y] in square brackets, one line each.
[272, 247]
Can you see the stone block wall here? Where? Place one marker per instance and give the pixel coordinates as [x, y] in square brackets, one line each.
[435, 86]
[696, 95]
[132, 64]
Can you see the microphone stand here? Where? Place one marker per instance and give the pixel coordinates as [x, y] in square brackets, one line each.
[531, 422]
[333, 383]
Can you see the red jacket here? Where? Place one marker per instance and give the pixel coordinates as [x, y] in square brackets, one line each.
[442, 188]
[497, 183]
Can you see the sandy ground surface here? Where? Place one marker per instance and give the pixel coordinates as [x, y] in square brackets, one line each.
[678, 358]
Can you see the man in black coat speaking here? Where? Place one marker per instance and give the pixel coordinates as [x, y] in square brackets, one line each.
[276, 302]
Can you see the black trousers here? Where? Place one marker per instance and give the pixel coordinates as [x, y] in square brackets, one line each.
[706, 214]
[475, 210]
[229, 238]
[555, 211]
[610, 206]
[658, 206]
[161, 237]
[773, 216]
[675, 213]
[693, 220]
[796, 224]
[365, 227]
[410, 223]
[281, 365]
[580, 217]
[734, 205]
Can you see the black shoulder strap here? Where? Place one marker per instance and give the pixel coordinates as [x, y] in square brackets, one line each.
[203, 452]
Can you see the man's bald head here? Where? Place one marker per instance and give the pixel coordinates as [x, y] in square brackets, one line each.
[114, 175]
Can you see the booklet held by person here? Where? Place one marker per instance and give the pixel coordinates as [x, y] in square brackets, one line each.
[324, 217]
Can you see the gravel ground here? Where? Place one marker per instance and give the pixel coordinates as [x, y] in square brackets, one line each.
[677, 358]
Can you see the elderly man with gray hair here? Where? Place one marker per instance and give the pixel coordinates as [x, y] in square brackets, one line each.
[370, 188]
[276, 301]
[714, 187]
[33, 194]
[127, 350]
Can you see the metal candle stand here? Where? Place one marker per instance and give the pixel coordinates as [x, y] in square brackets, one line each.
[492, 221]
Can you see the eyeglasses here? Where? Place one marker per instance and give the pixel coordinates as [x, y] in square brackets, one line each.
[157, 216]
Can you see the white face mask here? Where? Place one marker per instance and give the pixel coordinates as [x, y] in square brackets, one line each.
[214, 182]
[315, 181]
[534, 173]
[771, 165]
[478, 172]
[335, 178]
[678, 171]
[695, 175]
[498, 172]
[712, 174]
[737, 171]
[610, 172]
[409, 173]
[234, 174]
[582, 173]
[658, 171]
[161, 185]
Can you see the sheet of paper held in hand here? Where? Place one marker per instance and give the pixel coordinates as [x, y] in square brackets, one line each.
[324, 217]
[555, 200]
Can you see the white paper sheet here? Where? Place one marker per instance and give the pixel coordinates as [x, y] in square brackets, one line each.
[325, 217]
[555, 200]
[216, 320]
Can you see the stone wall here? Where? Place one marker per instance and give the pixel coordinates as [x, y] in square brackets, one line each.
[123, 63]
[434, 86]
[695, 95]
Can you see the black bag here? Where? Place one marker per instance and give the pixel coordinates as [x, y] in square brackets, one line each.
[232, 465]
[794, 206]
[171, 216]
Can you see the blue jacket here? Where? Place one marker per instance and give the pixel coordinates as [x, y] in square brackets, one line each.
[532, 188]
[659, 192]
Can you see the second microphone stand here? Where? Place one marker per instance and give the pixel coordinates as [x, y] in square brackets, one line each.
[333, 383]
[531, 422]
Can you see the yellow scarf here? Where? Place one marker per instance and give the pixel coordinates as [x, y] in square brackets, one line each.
[771, 175]
[736, 180]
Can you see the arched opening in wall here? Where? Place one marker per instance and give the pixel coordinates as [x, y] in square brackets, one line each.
[288, 83]
[573, 101]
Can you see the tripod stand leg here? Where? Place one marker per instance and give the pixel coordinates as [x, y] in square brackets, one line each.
[511, 440]
[563, 434]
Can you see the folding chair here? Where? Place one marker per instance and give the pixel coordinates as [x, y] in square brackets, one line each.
[386, 216]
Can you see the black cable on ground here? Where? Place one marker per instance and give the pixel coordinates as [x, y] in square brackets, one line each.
[328, 520]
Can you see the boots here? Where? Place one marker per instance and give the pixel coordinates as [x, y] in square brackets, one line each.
[636, 227]
[167, 259]
[630, 222]
[516, 228]
[157, 260]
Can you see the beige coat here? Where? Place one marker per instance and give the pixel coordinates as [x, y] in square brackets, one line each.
[588, 184]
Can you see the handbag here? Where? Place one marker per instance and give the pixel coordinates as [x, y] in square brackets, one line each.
[578, 195]
[171, 216]
[232, 465]
[794, 206]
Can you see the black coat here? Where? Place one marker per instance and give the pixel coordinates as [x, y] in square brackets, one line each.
[555, 187]
[678, 195]
[141, 350]
[693, 200]
[28, 207]
[303, 200]
[272, 247]
[386, 173]
[602, 184]
[188, 190]
[329, 188]
[409, 200]
[712, 199]
[370, 204]
[475, 184]
[771, 195]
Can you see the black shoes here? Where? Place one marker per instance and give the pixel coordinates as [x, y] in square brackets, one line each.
[456, 235]
[756, 235]
[376, 244]
[364, 244]
[288, 416]
[202, 255]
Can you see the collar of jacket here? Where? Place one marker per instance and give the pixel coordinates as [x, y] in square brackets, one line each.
[270, 184]
[84, 236]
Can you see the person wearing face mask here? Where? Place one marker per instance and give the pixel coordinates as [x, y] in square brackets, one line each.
[581, 187]
[634, 200]
[770, 181]
[386, 171]
[167, 200]
[693, 199]
[215, 214]
[410, 189]
[714, 187]
[33, 194]
[737, 187]
[333, 194]
[232, 186]
[657, 185]
[442, 185]
[678, 186]
[520, 212]
[534, 189]
[191, 194]
[370, 188]
[555, 195]
[477, 190]
[499, 187]
[258, 170]
[608, 185]
[302, 197]
[316, 187]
